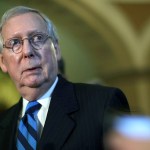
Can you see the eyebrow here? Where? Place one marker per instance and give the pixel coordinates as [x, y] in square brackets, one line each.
[30, 33]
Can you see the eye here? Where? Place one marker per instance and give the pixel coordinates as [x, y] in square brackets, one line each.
[37, 38]
[13, 42]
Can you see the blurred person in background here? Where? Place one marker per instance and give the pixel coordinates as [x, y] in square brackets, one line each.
[52, 113]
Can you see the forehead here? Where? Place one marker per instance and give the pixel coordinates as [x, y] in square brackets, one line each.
[23, 24]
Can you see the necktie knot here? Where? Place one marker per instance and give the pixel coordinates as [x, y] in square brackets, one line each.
[32, 107]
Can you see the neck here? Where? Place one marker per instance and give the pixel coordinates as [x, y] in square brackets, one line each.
[34, 93]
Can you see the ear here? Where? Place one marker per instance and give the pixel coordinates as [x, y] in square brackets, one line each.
[2, 64]
[57, 50]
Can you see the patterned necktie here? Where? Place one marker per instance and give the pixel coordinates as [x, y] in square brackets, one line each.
[27, 136]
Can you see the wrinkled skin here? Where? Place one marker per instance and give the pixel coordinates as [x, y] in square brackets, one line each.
[33, 71]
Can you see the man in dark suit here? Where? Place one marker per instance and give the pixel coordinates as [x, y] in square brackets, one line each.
[68, 116]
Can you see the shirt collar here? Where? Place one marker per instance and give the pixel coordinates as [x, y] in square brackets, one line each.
[44, 100]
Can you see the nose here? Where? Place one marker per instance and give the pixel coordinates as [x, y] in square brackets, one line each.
[27, 49]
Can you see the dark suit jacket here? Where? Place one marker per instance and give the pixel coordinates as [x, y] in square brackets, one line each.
[75, 119]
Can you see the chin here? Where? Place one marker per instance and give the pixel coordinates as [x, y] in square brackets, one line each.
[33, 83]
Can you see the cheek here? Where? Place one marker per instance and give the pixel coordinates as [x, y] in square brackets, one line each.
[50, 60]
[14, 73]
[12, 66]
[49, 56]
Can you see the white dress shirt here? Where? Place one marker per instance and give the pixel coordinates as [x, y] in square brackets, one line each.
[44, 101]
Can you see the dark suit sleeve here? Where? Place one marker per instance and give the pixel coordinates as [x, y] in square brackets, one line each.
[117, 102]
[116, 105]
[97, 105]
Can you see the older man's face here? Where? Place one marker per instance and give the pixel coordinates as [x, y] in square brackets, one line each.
[31, 68]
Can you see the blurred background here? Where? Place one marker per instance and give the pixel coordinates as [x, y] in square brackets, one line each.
[102, 41]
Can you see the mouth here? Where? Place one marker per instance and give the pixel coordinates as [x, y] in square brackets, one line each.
[32, 70]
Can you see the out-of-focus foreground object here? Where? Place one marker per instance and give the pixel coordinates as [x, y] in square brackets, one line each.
[129, 133]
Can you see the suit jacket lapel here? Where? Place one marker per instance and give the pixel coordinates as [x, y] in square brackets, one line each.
[8, 127]
[59, 124]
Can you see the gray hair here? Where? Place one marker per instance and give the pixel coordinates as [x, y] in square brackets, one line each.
[22, 10]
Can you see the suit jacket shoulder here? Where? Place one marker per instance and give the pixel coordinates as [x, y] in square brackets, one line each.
[107, 97]
[8, 125]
